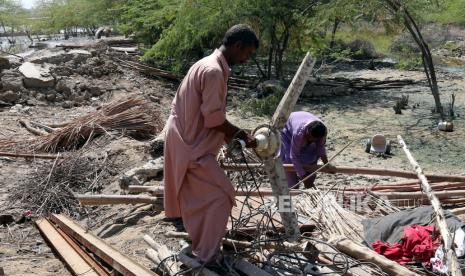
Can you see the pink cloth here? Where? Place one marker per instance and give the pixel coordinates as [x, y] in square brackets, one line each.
[196, 188]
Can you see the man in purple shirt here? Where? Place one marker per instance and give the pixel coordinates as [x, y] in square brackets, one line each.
[303, 140]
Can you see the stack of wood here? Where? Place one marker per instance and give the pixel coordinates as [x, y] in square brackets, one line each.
[363, 83]
[163, 258]
[233, 82]
[409, 194]
[84, 253]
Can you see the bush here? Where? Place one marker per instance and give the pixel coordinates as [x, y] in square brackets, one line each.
[409, 63]
[362, 49]
[264, 107]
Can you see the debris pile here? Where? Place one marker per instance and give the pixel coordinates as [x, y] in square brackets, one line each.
[51, 188]
[134, 117]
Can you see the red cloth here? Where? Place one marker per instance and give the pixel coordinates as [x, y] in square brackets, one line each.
[418, 245]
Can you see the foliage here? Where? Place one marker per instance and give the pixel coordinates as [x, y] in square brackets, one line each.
[74, 15]
[146, 19]
[450, 11]
[263, 107]
[12, 16]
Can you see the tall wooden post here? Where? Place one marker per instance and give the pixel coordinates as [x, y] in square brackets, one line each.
[451, 257]
[274, 166]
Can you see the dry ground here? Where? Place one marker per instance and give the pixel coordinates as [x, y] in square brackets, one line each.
[353, 117]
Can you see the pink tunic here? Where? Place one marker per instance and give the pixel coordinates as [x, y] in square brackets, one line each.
[196, 188]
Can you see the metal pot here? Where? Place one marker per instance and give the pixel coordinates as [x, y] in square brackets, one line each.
[446, 126]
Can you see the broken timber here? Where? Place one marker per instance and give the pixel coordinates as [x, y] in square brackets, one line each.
[111, 256]
[360, 252]
[274, 166]
[450, 256]
[114, 199]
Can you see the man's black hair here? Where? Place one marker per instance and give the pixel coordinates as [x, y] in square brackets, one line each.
[317, 129]
[242, 33]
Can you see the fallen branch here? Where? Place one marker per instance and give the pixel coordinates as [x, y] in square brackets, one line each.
[32, 130]
[360, 252]
[114, 199]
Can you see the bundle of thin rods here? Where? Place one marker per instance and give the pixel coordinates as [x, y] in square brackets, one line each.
[51, 186]
[132, 116]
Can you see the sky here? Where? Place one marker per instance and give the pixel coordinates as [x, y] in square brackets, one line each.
[28, 3]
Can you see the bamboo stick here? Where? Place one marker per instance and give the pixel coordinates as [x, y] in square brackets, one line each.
[458, 211]
[114, 199]
[31, 155]
[412, 195]
[351, 170]
[451, 257]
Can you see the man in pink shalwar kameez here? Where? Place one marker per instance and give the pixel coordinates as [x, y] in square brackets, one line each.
[196, 188]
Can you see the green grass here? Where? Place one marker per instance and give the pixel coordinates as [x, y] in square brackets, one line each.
[381, 40]
[452, 11]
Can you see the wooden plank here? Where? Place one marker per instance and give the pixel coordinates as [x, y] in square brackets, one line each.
[450, 256]
[110, 255]
[84, 255]
[114, 199]
[74, 261]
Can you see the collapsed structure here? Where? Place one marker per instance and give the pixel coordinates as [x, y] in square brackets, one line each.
[311, 232]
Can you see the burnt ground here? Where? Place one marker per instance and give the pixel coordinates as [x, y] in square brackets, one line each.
[355, 116]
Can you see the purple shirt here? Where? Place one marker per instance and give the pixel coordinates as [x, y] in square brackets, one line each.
[295, 148]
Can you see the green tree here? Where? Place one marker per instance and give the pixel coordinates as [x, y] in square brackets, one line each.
[146, 19]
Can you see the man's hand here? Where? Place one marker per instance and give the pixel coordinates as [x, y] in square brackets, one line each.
[250, 141]
[331, 168]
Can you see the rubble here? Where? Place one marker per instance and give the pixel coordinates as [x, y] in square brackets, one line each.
[37, 75]
[4, 63]
[139, 175]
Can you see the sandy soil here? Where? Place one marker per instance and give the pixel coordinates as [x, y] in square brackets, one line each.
[352, 117]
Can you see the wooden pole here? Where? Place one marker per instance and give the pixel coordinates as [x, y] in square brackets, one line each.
[353, 170]
[360, 252]
[450, 256]
[274, 166]
[31, 155]
[114, 199]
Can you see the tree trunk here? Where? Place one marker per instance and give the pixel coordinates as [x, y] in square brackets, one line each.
[271, 51]
[427, 60]
[333, 33]
[282, 46]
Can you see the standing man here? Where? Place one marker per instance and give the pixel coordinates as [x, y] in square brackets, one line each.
[303, 140]
[196, 188]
